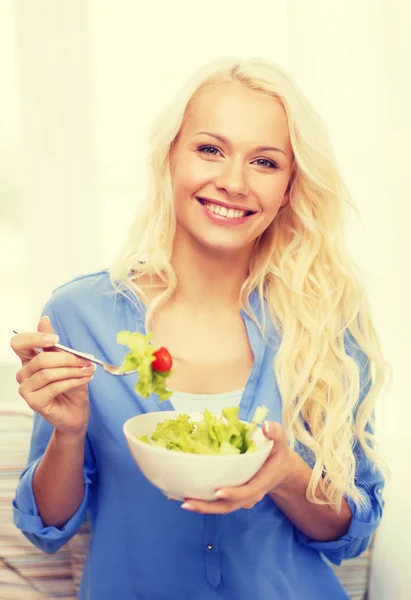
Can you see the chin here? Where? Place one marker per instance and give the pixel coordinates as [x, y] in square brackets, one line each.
[223, 244]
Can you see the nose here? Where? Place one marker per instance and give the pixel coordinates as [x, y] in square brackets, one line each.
[232, 179]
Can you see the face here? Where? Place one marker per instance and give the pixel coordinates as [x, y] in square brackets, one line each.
[231, 166]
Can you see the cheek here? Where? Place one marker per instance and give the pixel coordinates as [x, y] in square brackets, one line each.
[186, 178]
[191, 176]
[271, 195]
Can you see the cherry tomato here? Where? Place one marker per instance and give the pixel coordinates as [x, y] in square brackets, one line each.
[163, 361]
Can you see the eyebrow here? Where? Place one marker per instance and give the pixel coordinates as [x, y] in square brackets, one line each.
[224, 140]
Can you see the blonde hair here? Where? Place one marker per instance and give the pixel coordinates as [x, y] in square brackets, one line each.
[303, 274]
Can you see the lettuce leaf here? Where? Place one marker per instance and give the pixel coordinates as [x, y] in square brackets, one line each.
[211, 435]
[140, 357]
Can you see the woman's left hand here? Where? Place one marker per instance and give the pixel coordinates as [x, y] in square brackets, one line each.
[274, 473]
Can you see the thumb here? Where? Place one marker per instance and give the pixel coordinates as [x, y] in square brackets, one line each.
[275, 431]
[45, 325]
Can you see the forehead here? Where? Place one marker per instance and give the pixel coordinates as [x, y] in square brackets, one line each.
[240, 114]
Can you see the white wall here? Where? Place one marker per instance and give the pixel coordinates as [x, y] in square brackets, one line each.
[13, 290]
[62, 212]
[94, 73]
[391, 572]
[140, 61]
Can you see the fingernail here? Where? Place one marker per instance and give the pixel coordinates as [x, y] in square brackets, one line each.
[51, 339]
[267, 427]
[221, 494]
[84, 363]
[89, 368]
[87, 378]
[46, 318]
[187, 506]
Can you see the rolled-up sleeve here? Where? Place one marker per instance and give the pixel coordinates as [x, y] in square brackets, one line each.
[364, 522]
[369, 481]
[25, 511]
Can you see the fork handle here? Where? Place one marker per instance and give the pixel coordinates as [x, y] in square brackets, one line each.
[89, 357]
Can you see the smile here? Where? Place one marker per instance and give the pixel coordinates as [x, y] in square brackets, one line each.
[222, 211]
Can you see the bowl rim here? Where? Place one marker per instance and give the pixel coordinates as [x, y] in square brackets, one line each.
[165, 451]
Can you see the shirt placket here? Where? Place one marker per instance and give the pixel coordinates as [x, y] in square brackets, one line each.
[211, 550]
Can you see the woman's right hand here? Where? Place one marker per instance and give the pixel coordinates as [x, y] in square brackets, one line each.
[53, 383]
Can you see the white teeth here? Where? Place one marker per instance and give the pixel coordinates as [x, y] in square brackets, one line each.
[231, 213]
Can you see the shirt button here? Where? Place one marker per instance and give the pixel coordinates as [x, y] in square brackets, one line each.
[209, 547]
[379, 491]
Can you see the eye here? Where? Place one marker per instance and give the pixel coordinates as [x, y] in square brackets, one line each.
[267, 164]
[210, 150]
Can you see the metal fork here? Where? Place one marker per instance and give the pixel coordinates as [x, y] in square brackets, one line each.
[111, 369]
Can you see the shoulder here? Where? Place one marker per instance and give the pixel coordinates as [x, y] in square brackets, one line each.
[84, 287]
[265, 330]
[86, 303]
[84, 293]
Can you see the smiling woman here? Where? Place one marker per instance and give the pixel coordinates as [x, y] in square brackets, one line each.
[237, 264]
[240, 173]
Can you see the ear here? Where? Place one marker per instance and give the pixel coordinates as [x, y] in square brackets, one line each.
[171, 161]
[286, 198]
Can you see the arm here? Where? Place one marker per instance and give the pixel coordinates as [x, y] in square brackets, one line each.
[369, 481]
[316, 521]
[49, 538]
[52, 494]
[337, 535]
[58, 482]
[26, 513]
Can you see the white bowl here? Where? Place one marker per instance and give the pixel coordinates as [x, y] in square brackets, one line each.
[183, 475]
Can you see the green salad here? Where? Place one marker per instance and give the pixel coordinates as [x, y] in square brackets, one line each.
[212, 435]
[153, 366]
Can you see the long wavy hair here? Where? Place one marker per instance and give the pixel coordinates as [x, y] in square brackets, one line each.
[302, 272]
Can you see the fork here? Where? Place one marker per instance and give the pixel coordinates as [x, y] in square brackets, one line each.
[111, 369]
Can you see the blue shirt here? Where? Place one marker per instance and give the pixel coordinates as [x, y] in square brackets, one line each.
[144, 546]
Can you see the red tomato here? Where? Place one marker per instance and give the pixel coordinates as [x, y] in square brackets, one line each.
[163, 361]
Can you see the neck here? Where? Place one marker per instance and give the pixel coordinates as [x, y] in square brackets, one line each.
[208, 278]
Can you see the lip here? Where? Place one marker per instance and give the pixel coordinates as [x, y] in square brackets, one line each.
[227, 206]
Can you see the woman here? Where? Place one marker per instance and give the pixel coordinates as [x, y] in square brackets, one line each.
[237, 265]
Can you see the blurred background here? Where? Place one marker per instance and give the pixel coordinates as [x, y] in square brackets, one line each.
[80, 82]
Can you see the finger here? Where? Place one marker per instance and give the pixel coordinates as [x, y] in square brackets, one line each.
[37, 400]
[45, 326]
[50, 360]
[245, 496]
[25, 344]
[209, 508]
[45, 377]
[276, 432]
